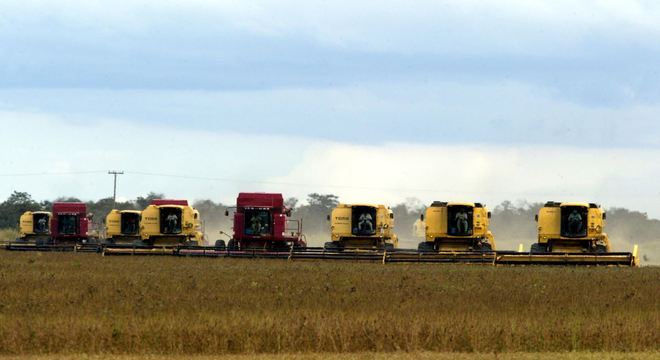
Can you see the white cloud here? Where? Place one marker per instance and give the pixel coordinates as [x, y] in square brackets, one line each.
[52, 144]
[387, 173]
[392, 172]
[532, 27]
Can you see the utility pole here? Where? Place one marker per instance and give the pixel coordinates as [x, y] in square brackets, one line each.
[114, 191]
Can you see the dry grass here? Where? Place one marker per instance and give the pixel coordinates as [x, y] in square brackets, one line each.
[7, 235]
[362, 356]
[84, 303]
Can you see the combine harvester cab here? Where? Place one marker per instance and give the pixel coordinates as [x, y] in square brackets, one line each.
[123, 227]
[34, 227]
[571, 228]
[571, 234]
[170, 223]
[69, 223]
[261, 221]
[369, 227]
[457, 227]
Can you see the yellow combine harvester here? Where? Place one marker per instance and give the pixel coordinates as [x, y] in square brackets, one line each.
[362, 227]
[34, 227]
[454, 226]
[122, 227]
[171, 223]
[571, 228]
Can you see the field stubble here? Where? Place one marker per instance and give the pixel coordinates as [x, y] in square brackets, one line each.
[84, 303]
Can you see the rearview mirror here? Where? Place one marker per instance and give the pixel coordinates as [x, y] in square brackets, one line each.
[536, 217]
[328, 217]
[421, 217]
[604, 216]
[226, 212]
[490, 214]
[391, 215]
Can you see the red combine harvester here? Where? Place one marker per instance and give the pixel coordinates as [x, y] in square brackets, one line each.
[69, 223]
[261, 222]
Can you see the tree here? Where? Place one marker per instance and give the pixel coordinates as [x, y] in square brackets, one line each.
[143, 202]
[291, 203]
[327, 201]
[67, 199]
[16, 204]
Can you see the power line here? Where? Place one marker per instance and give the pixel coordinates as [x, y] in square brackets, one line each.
[54, 173]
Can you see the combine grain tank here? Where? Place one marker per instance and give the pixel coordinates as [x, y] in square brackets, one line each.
[34, 227]
[457, 227]
[170, 223]
[261, 221]
[122, 227]
[571, 228]
[362, 227]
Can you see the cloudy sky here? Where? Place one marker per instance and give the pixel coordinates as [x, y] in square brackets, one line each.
[373, 101]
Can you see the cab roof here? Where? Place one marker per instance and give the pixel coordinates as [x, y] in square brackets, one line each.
[40, 212]
[129, 211]
[61, 207]
[566, 204]
[445, 204]
[370, 205]
[161, 202]
[261, 200]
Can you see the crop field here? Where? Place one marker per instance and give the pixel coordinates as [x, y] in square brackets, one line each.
[63, 305]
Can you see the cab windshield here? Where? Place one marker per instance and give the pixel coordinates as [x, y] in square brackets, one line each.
[67, 224]
[130, 223]
[40, 223]
[460, 220]
[574, 221]
[257, 222]
[364, 221]
[170, 221]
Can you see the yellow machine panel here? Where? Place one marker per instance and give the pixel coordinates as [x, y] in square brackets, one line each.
[571, 227]
[457, 227]
[171, 225]
[34, 224]
[122, 226]
[362, 226]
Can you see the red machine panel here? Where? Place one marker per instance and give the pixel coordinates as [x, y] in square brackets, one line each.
[69, 222]
[260, 220]
[161, 202]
